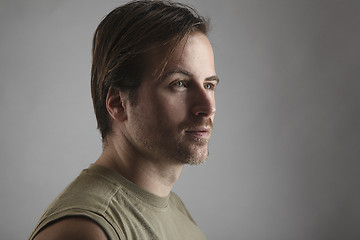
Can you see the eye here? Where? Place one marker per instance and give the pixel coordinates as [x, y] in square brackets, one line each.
[209, 86]
[179, 84]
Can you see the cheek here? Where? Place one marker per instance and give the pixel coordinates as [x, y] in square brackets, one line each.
[170, 109]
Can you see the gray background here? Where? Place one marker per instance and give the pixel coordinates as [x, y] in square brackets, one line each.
[285, 151]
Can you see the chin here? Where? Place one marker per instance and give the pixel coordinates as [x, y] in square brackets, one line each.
[196, 159]
[192, 154]
[195, 162]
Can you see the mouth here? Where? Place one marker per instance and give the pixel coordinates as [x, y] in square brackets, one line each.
[199, 132]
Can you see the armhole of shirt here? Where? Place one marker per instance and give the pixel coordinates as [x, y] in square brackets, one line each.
[111, 231]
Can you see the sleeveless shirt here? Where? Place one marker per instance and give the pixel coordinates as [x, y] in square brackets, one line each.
[121, 208]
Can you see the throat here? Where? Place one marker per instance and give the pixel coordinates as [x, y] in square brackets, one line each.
[153, 176]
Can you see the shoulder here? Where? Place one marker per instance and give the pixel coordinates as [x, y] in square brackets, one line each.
[83, 205]
[72, 228]
[90, 191]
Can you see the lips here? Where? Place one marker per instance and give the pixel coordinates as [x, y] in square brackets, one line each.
[199, 132]
[199, 129]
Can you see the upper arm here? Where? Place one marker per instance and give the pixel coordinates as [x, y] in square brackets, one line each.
[72, 228]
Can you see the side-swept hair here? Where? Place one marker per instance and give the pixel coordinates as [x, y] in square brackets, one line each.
[123, 38]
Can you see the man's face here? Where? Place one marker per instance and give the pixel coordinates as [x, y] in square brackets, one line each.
[173, 116]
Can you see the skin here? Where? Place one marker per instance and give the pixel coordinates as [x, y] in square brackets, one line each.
[169, 126]
[72, 229]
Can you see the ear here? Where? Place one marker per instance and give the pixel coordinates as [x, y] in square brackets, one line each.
[115, 104]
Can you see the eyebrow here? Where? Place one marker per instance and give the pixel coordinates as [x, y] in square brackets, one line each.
[183, 71]
[213, 78]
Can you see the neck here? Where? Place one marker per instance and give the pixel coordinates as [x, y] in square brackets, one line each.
[156, 176]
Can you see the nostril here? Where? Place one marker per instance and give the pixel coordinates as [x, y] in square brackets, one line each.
[203, 111]
[201, 114]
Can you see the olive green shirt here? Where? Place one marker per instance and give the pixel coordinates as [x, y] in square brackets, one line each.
[121, 208]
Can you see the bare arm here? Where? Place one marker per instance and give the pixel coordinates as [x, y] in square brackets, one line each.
[73, 228]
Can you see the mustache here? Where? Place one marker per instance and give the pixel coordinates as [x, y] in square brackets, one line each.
[197, 123]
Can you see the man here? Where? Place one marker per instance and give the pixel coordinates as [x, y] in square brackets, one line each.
[153, 81]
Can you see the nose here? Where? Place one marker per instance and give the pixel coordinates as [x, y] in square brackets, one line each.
[203, 103]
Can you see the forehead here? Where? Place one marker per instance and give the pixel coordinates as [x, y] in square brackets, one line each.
[194, 52]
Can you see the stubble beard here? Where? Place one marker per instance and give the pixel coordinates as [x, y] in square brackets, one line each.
[188, 157]
[182, 152]
[178, 147]
[193, 151]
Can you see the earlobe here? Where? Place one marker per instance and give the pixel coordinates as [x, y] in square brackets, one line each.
[115, 105]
